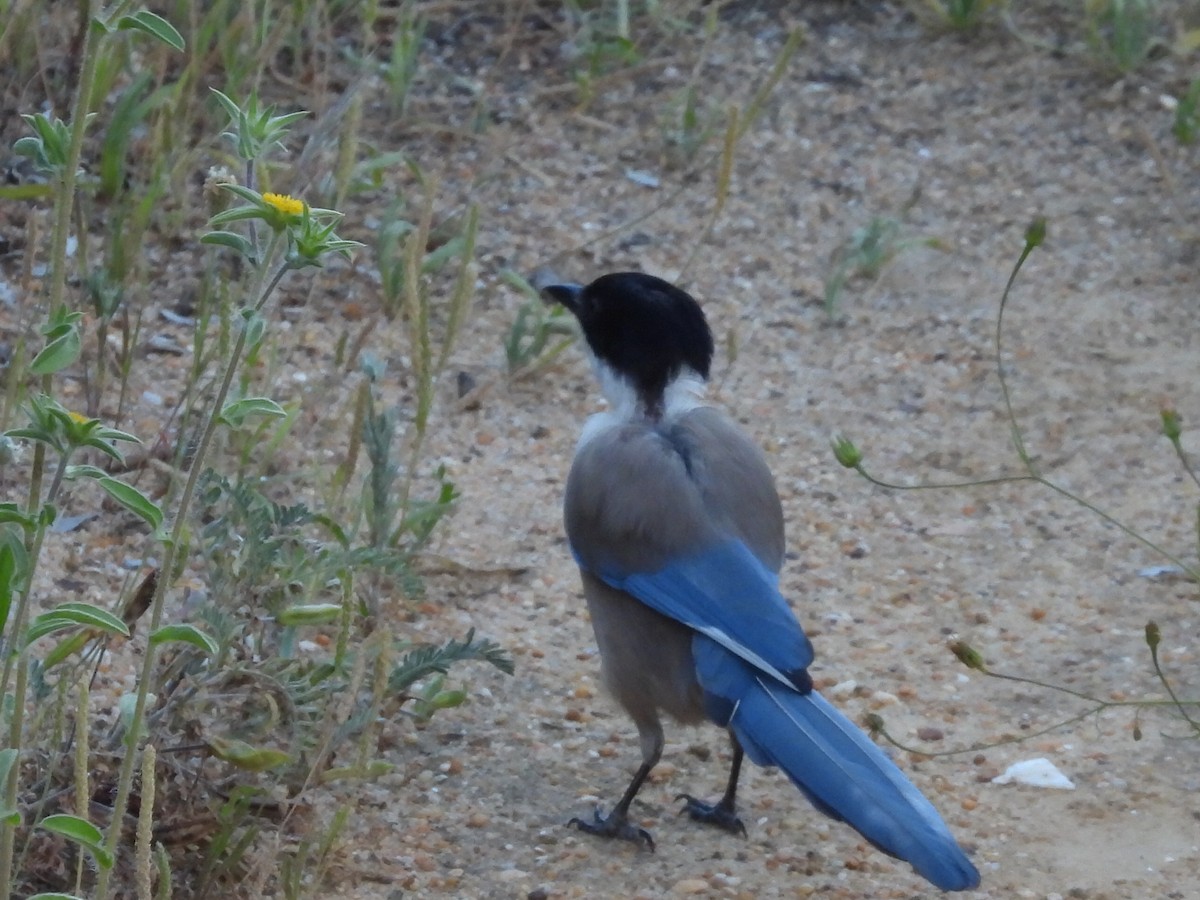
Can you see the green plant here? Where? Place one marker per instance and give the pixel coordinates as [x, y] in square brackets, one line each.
[868, 251]
[848, 455]
[401, 68]
[687, 128]
[530, 343]
[956, 15]
[974, 660]
[407, 257]
[1122, 33]
[275, 668]
[1187, 115]
[601, 44]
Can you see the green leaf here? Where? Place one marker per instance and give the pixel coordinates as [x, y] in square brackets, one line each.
[310, 614]
[255, 325]
[187, 634]
[82, 832]
[232, 240]
[72, 614]
[235, 414]
[74, 472]
[8, 580]
[8, 815]
[55, 897]
[30, 191]
[58, 354]
[426, 660]
[11, 512]
[237, 214]
[133, 500]
[64, 650]
[447, 700]
[246, 756]
[154, 25]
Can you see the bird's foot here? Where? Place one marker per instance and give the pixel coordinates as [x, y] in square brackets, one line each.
[614, 826]
[720, 814]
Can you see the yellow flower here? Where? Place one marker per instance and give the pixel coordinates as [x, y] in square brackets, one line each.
[77, 418]
[286, 204]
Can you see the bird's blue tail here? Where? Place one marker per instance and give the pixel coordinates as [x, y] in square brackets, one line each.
[833, 762]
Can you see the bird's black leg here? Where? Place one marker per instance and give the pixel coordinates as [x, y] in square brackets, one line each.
[723, 813]
[616, 823]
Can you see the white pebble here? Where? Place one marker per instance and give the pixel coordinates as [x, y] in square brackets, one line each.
[1036, 773]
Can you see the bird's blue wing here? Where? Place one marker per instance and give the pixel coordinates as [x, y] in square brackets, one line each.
[725, 593]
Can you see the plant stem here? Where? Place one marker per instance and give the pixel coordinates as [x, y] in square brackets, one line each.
[1012, 418]
[170, 551]
[15, 653]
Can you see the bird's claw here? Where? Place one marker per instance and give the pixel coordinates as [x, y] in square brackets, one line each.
[719, 814]
[614, 826]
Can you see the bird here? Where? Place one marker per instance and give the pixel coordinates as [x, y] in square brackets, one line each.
[672, 515]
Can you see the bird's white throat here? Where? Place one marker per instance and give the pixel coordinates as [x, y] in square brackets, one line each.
[686, 392]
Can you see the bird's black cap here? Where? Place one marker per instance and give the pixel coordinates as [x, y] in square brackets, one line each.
[643, 327]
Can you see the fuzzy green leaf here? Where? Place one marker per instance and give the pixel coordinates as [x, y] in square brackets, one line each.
[75, 472]
[310, 614]
[187, 634]
[235, 414]
[231, 239]
[82, 832]
[32, 190]
[133, 500]
[246, 756]
[64, 650]
[154, 25]
[8, 758]
[8, 581]
[73, 614]
[10, 512]
[58, 354]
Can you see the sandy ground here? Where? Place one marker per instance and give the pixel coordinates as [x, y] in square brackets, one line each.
[1100, 335]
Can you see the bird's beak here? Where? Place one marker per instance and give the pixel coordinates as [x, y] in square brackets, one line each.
[566, 294]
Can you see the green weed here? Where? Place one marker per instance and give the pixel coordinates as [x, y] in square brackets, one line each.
[868, 251]
[245, 679]
[850, 456]
[1187, 115]
[1122, 33]
[955, 15]
[538, 334]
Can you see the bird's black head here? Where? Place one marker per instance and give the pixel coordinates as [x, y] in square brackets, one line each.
[645, 329]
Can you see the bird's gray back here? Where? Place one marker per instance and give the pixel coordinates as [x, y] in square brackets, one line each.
[640, 494]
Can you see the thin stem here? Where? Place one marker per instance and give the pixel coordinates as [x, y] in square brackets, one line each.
[170, 550]
[1034, 478]
[65, 199]
[1099, 706]
[1015, 739]
[1191, 571]
[1012, 417]
[1171, 691]
[943, 485]
[1033, 239]
[17, 655]
[1185, 462]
